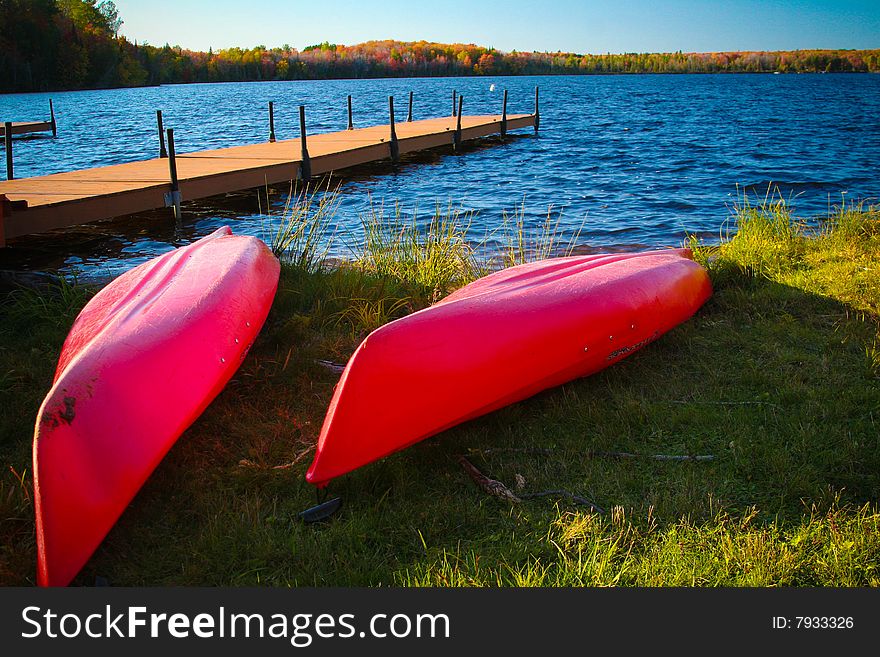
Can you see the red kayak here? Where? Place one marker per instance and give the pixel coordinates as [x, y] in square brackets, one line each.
[499, 340]
[144, 358]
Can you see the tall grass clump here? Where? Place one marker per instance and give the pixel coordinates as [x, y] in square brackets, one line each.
[56, 305]
[433, 256]
[521, 243]
[303, 237]
[765, 236]
[852, 221]
[835, 257]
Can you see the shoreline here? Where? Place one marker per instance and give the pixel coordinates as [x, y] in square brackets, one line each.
[4, 92]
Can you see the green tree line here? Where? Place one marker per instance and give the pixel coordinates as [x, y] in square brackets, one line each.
[74, 44]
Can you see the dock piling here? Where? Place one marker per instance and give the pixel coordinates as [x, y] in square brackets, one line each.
[350, 123]
[395, 149]
[504, 115]
[454, 92]
[173, 198]
[409, 115]
[271, 121]
[52, 119]
[537, 114]
[305, 165]
[162, 152]
[456, 137]
[7, 138]
[2, 220]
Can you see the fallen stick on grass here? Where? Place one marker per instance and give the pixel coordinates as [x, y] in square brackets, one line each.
[537, 451]
[724, 403]
[245, 463]
[296, 459]
[491, 486]
[656, 457]
[337, 368]
[617, 455]
[498, 489]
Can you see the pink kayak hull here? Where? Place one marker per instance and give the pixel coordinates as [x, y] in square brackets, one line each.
[142, 361]
[499, 340]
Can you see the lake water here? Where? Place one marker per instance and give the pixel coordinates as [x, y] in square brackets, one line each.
[629, 161]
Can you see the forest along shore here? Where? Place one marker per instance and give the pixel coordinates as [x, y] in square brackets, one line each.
[75, 44]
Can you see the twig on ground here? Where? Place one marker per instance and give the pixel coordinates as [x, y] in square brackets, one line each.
[296, 459]
[537, 451]
[337, 368]
[656, 457]
[491, 486]
[723, 403]
[618, 455]
[498, 489]
[245, 463]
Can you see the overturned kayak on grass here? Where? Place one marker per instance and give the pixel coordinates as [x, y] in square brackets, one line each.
[142, 361]
[499, 340]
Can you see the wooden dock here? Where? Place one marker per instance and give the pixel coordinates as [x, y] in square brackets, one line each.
[25, 127]
[43, 203]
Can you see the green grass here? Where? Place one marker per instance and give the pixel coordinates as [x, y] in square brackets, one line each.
[434, 257]
[776, 377]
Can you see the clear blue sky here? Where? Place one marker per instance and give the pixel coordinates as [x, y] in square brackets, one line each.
[583, 26]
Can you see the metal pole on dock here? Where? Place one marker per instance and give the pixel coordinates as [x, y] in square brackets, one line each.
[504, 115]
[350, 124]
[305, 165]
[173, 199]
[162, 152]
[409, 116]
[7, 137]
[271, 121]
[395, 150]
[453, 102]
[537, 114]
[456, 137]
[52, 119]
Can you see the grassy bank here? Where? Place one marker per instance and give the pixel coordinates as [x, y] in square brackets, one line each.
[776, 378]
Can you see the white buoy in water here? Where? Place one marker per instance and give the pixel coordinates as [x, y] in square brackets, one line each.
[491, 87]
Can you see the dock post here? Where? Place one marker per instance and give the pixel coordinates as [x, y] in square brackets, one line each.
[537, 114]
[173, 199]
[456, 137]
[453, 101]
[2, 220]
[305, 165]
[350, 123]
[7, 137]
[162, 152]
[271, 121]
[52, 119]
[395, 150]
[409, 115]
[504, 115]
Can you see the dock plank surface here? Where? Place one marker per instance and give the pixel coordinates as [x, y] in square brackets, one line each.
[76, 197]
